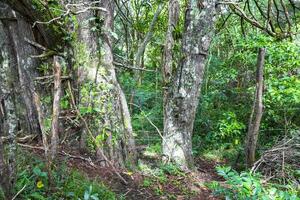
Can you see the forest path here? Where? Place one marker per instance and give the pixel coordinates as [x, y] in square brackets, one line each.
[141, 187]
[180, 186]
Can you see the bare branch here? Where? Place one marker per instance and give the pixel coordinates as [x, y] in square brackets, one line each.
[69, 10]
[133, 68]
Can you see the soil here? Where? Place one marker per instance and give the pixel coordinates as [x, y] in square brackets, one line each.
[186, 186]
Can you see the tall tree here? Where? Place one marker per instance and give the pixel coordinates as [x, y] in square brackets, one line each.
[18, 31]
[96, 73]
[8, 116]
[181, 97]
[257, 111]
[90, 59]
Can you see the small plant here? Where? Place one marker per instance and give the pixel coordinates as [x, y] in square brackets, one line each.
[248, 186]
[89, 195]
[147, 182]
[172, 169]
[153, 149]
[158, 191]
[68, 184]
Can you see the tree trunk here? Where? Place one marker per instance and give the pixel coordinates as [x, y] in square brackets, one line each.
[20, 54]
[20, 51]
[3, 173]
[119, 118]
[113, 125]
[8, 115]
[56, 106]
[257, 111]
[181, 99]
[3, 60]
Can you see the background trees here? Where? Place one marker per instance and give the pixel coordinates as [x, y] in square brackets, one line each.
[132, 76]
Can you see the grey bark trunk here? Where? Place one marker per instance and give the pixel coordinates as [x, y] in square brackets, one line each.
[106, 94]
[20, 52]
[124, 147]
[181, 99]
[3, 174]
[56, 106]
[257, 111]
[8, 117]
[174, 12]
[17, 30]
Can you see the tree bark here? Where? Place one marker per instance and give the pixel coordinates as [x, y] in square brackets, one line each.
[3, 60]
[124, 147]
[50, 37]
[114, 122]
[56, 106]
[174, 12]
[3, 174]
[181, 99]
[8, 115]
[17, 30]
[257, 111]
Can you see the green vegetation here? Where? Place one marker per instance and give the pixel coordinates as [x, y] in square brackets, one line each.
[116, 113]
[245, 185]
[32, 180]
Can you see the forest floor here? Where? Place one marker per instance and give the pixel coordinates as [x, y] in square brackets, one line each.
[179, 186]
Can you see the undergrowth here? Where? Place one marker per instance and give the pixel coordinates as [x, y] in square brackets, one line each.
[33, 183]
[251, 186]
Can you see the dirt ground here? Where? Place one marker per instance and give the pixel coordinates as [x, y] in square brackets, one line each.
[187, 186]
[190, 186]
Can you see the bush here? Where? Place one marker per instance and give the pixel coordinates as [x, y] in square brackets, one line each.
[68, 184]
[250, 186]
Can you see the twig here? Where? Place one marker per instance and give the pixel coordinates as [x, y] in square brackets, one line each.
[133, 68]
[51, 76]
[157, 129]
[128, 192]
[89, 160]
[69, 11]
[31, 147]
[35, 44]
[22, 139]
[282, 163]
[19, 192]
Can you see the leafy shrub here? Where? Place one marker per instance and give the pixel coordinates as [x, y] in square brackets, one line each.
[68, 184]
[229, 128]
[249, 186]
[172, 169]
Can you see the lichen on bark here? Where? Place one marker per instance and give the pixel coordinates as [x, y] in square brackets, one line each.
[181, 100]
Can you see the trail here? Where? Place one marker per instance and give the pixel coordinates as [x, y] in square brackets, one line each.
[180, 187]
[183, 186]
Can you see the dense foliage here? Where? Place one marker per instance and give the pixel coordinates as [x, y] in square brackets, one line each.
[103, 129]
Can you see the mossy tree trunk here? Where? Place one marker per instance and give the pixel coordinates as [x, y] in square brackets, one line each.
[99, 89]
[92, 59]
